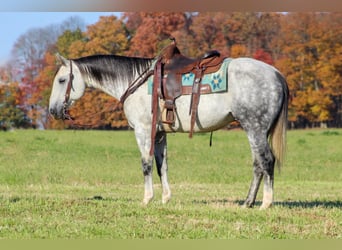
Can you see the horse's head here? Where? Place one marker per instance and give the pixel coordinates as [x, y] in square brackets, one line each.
[68, 86]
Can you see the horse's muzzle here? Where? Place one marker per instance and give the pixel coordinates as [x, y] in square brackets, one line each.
[54, 113]
[60, 114]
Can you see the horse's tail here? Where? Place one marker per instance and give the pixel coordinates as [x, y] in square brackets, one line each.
[279, 128]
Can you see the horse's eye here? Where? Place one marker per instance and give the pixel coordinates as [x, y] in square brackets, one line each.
[61, 80]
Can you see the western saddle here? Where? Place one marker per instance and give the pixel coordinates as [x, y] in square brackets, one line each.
[167, 83]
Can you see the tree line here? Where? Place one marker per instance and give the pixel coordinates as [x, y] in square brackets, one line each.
[305, 47]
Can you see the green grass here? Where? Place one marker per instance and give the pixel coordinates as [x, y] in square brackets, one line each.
[89, 185]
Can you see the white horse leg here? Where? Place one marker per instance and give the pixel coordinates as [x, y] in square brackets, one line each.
[254, 187]
[267, 199]
[147, 171]
[160, 153]
[267, 161]
[144, 143]
[263, 166]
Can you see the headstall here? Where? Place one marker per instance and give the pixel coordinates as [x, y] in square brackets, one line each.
[67, 94]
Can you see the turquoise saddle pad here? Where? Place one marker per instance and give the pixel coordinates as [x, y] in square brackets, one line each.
[218, 80]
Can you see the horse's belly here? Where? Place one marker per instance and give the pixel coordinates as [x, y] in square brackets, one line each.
[213, 113]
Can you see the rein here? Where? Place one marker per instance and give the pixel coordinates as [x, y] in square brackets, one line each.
[136, 84]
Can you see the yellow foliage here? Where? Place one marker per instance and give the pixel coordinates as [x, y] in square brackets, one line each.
[238, 50]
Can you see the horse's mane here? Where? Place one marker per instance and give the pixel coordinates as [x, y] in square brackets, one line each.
[112, 67]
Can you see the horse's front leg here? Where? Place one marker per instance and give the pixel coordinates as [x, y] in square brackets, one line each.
[147, 171]
[160, 153]
[144, 144]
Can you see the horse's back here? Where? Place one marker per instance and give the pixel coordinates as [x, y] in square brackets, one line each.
[244, 68]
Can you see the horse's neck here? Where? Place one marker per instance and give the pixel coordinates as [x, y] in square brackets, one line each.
[115, 86]
[115, 89]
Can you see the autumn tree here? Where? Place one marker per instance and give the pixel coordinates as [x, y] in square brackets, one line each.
[208, 33]
[11, 111]
[229, 32]
[66, 39]
[107, 36]
[264, 56]
[151, 31]
[267, 29]
[29, 49]
[238, 50]
[309, 60]
[329, 68]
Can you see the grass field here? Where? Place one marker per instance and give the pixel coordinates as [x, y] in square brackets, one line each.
[89, 185]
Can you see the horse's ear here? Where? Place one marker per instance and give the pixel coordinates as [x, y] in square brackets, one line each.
[61, 60]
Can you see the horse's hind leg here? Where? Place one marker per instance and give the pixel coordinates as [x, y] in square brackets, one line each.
[263, 166]
[160, 152]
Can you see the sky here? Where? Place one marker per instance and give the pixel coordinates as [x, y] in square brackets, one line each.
[14, 24]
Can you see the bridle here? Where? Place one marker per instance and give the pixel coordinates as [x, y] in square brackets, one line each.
[67, 94]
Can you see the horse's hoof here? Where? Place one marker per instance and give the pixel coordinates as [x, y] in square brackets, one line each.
[265, 206]
[147, 200]
[247, 205]
[166, 199]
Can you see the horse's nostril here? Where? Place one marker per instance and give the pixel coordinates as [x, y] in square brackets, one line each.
[52, 111]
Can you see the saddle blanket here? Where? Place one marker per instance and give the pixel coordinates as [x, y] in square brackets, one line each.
[217, 81]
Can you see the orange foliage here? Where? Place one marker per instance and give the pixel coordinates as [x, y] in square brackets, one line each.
[238, 50]
[107, 36]
[152, 31]
[311, 61]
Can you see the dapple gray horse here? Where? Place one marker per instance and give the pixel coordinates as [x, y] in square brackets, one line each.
[257, 97]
